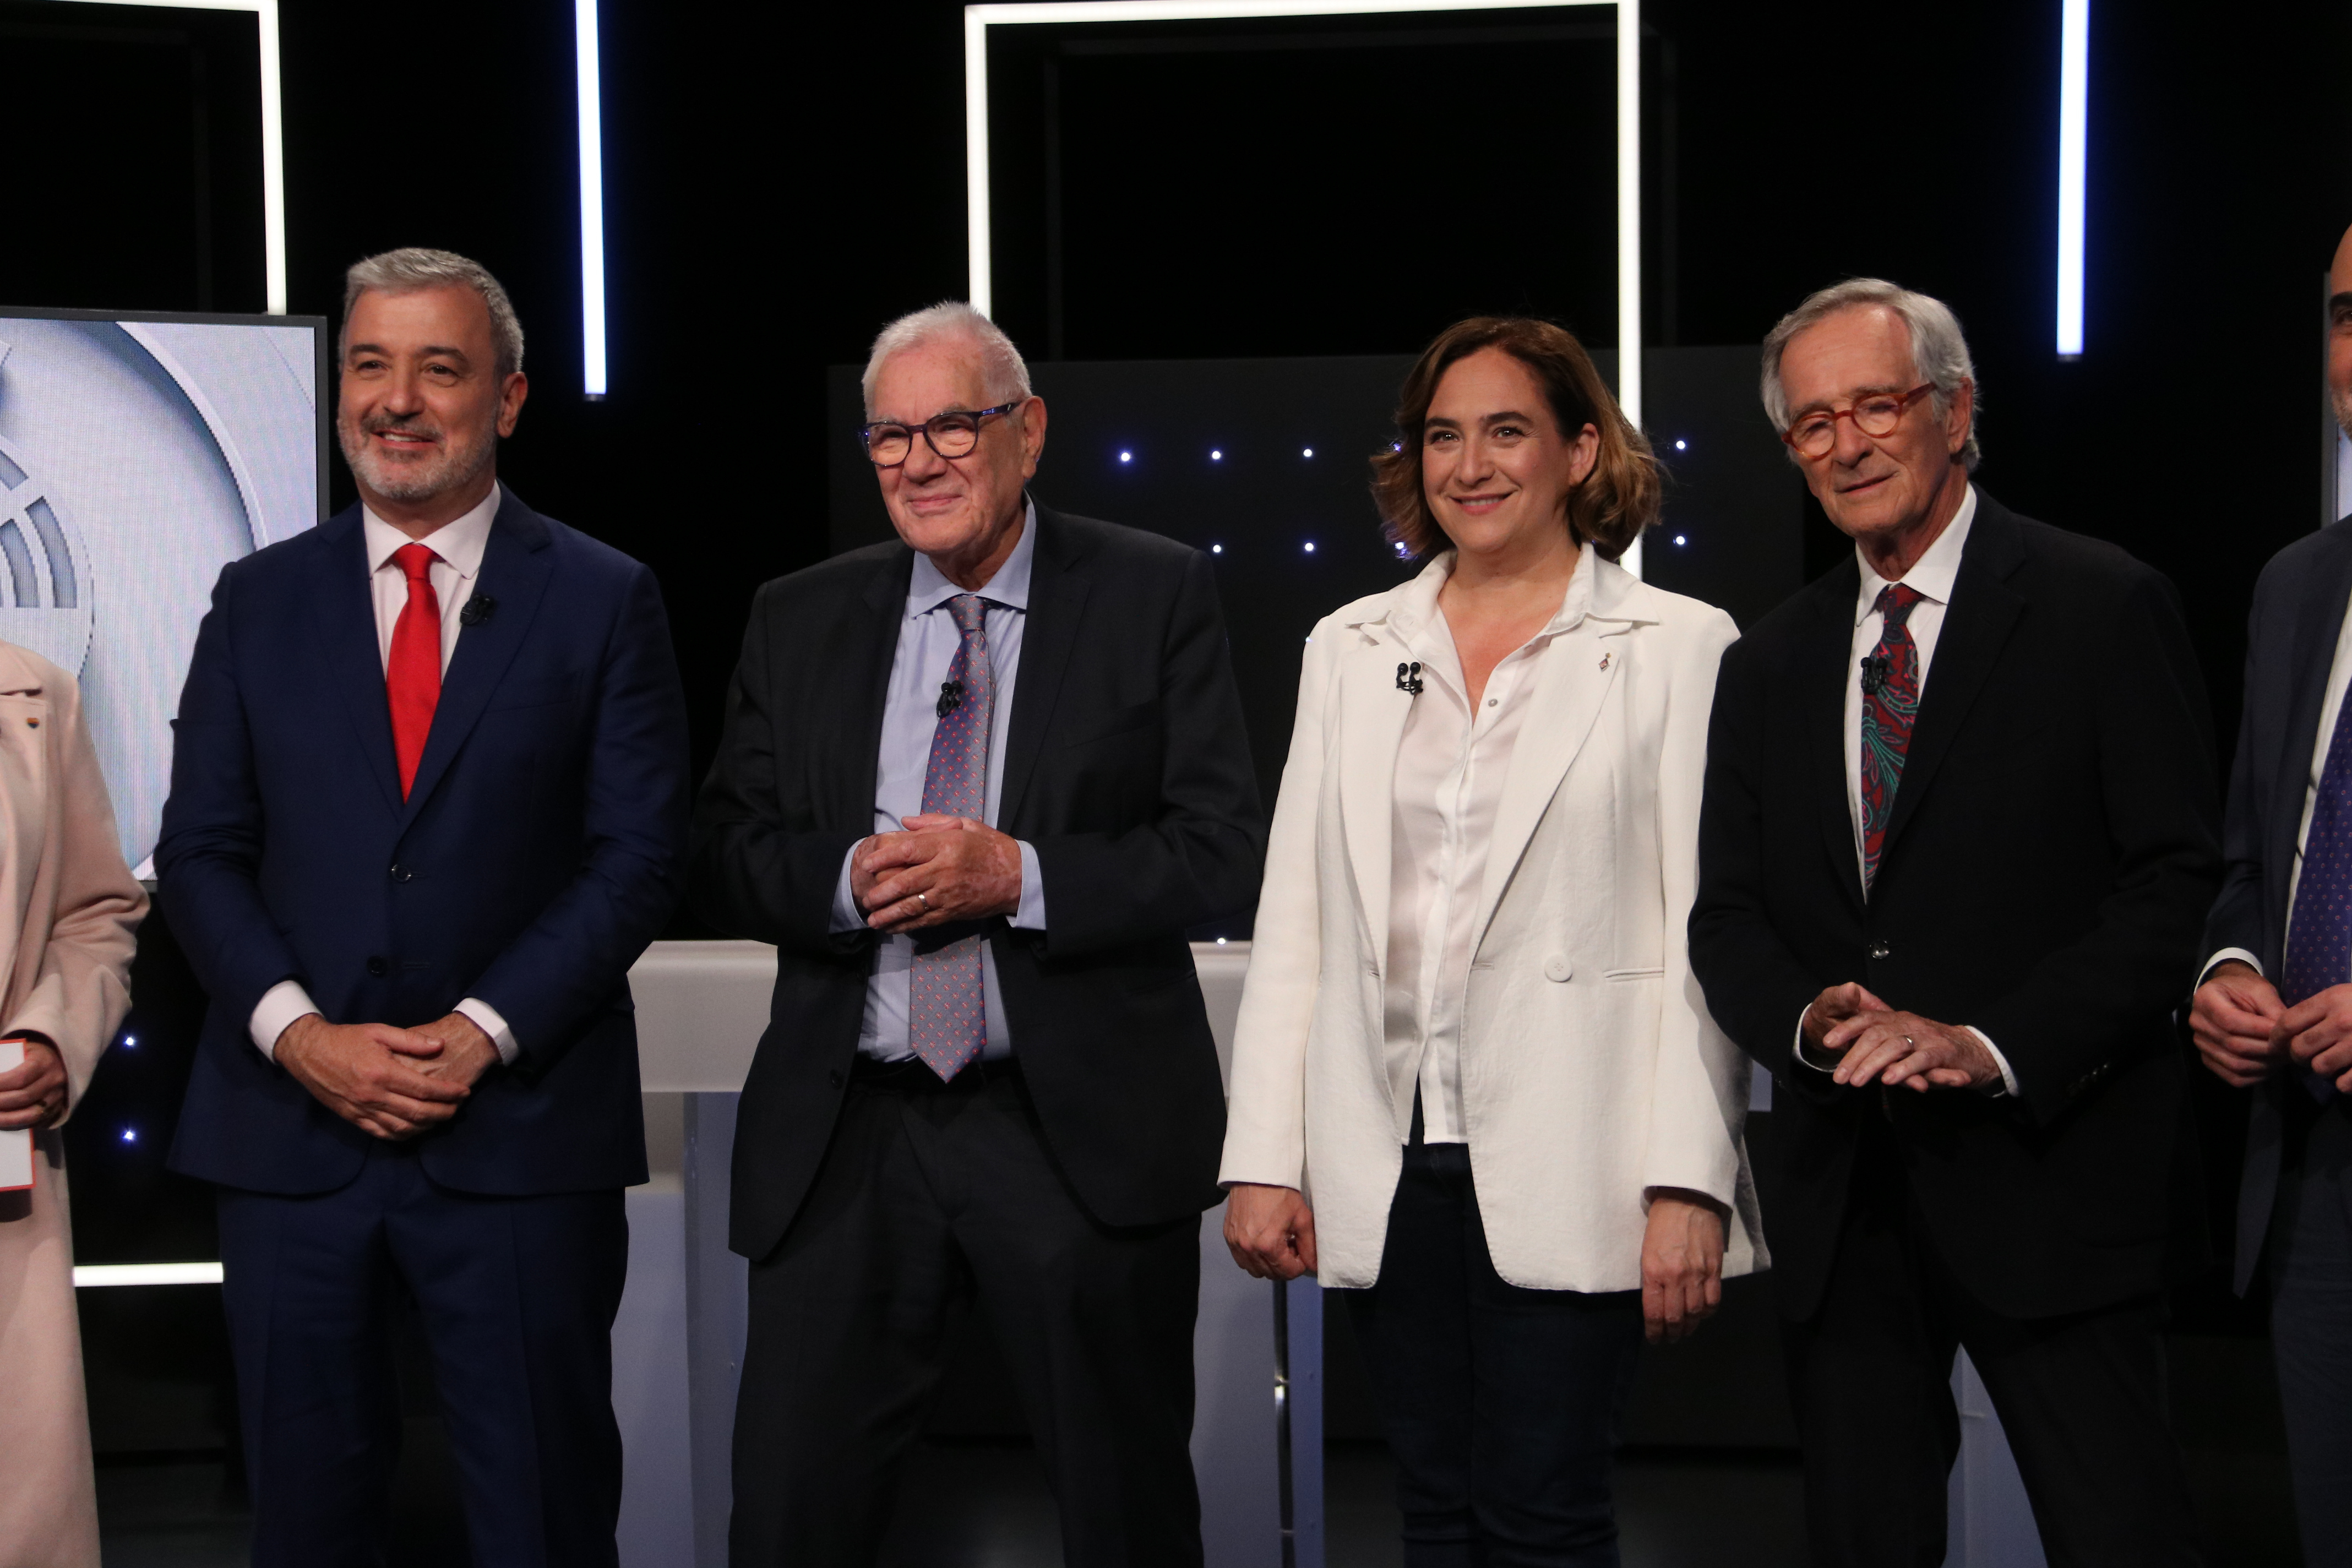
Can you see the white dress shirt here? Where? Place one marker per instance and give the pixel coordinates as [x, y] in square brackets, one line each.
[457, 549]
[927, 641]
[2340, 677]
[1452, 761]
[1933, 576]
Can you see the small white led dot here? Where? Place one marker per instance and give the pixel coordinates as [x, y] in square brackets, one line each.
[1216, 456]
[1680, 540]
[1681, 445]
[1127, 456]
[1307, 453]
[1221, 942]
[130, 1135]
[1216, 550]
[1310, 547]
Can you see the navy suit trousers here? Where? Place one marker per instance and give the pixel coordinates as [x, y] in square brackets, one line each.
[2311, 1329]
[517, 1295]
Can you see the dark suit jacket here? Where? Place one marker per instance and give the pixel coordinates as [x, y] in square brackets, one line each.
[2049, 858]
[539, 851]
[1126, 766]
[2290, 643]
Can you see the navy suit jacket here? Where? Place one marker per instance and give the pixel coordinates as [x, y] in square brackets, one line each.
[539, 851]
[2290, 643]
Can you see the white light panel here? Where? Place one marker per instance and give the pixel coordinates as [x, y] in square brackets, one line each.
[592, 198]
[978, 19]
[273, 136]
[2074, 132]
[88, 1276]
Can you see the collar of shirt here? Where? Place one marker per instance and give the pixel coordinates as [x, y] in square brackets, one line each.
[1932, 574]
[1414, 614]
[928, 588]
[459, 542]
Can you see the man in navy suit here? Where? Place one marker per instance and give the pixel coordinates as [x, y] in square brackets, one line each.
[2273, 1008]
[428, 804]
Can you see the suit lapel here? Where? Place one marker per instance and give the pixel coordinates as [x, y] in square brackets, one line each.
[862, 695]
[1828, 671]
[1571, 683]
[1372, 712]
[343, 619]
[517, 564]
[1983, 611]
[2319, 621]
[1057, 601]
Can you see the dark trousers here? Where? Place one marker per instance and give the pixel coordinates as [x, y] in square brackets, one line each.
[2081, 1399]
[517, 1297]
[1500, 1403]
[2311, 1328]
[928, 1203]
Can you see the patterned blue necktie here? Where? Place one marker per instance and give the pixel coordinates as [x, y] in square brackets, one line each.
[2319, 927]
[946, 1010]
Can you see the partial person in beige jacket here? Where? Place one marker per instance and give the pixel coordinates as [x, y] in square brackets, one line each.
[68, 907]
[1474, 1084]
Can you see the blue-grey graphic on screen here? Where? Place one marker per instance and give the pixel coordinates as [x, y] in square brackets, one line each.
[136, 459]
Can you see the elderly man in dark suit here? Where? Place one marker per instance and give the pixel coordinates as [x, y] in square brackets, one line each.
[2274, 1007]
[1957, 838]
[428, 804]
[975, 784]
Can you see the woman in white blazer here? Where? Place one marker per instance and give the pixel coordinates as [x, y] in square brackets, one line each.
[1474, 1084]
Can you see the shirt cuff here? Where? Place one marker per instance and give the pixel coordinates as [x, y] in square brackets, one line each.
[1801, 1054]
[280, 1005]
[2008, 1078]
[486, 1018]
[845, 916]
[1031, 915]
[2224, 956]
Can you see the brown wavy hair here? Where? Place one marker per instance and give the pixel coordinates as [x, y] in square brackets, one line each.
[1615, 501]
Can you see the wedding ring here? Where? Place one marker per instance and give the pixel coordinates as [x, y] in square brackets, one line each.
[1909, 1041]
[923, 900]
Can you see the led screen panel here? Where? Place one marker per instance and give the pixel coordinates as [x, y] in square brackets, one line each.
[139, 455]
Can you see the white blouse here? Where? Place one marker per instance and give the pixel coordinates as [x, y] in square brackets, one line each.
[1449, 769]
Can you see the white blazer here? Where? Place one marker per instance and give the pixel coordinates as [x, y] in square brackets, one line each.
[1590, 1071]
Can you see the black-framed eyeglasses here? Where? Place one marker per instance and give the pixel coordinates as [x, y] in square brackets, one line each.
[951, 435]
[1815, 433]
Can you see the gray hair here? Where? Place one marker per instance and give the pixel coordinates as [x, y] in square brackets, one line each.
[1002, 371]
[1939, 354]
[411, 268]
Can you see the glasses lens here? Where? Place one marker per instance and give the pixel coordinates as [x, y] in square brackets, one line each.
[887, 444]
[954, 435]
[1814, 434]
[1878, 415]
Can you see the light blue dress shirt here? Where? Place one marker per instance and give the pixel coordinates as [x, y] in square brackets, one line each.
[927, 641]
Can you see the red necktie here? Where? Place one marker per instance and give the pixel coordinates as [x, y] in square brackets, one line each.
[412, 678]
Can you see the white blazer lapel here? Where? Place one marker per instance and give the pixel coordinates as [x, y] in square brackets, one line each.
[1573, 677]
[1372, 712]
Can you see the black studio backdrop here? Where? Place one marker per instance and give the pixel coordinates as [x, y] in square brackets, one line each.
[780, 180]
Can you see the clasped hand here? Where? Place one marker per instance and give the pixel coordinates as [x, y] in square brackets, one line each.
[391, 1083]
[33, 1093]
[1872, 1040]
[941, 868]
[2246, 1033]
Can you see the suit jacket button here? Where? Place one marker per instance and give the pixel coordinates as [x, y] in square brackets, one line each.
[832, 1077]
[1557, 967]
[402, 873]
[1879, 950]
[377, 966]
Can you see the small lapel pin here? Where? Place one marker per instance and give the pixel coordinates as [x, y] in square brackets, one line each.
[478, 609]
[1409, 678]
[1604, 661]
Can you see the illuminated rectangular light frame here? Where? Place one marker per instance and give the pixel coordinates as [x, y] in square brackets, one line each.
[592, 197]
[273, 135]
[90, 1276]
[2074, 154]
[978, 19]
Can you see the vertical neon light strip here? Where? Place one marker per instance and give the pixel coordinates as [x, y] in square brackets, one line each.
[591, 201]
[977, 241]
[2074, 130]
[273, 165]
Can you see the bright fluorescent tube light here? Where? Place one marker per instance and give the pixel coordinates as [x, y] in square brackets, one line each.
[273, 136]
[591, 201]
[2074, 129]
[90, 1274]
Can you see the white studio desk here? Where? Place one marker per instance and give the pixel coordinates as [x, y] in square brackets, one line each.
[678, 1342]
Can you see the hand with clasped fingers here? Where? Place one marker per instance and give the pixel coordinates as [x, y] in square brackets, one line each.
[1682, 1264]
[1270, 1230]
[2315, 1034]
[941, 868]
[2236, 1019]
[1872, 1040]
[33, 1093]
[389, 1082]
